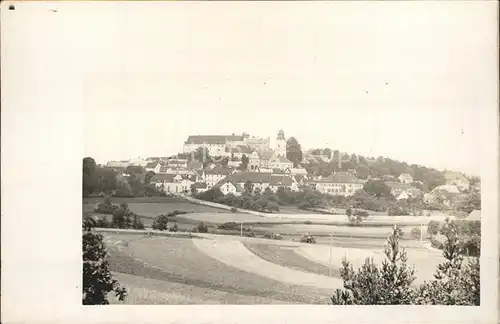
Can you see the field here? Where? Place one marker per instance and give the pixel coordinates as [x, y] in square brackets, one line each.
[233, 270]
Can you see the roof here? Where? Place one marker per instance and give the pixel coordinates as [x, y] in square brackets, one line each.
[474, 215]
[406, 175]
[255, 177]
[213, 139]
[266, 155]
[199, 185]
[448, 188]
[301, 171]
[194, 165]
[341, 177]
[277, 180]
[223, 171]
[151, 165]
[299, 177]
[163, 178]
[282, 159]
[398, 185]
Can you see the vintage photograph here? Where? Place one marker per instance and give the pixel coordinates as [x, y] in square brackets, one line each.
[296, 155]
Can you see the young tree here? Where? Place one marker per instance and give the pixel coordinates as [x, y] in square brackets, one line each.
[389, 285]
[97, 279]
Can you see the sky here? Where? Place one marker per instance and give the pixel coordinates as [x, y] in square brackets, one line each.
[409, 81]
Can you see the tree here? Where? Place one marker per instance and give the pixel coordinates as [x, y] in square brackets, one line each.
[224, 162]
[293, 151]
[134, 169]
[148, 176]
[248, 186]
[456, 282]
[362, 172]
[377, 188]
[257, 191]
[370, 285]
[244, 162]
[202, 155]
[160, 223]
[105, 180]
[97, 279]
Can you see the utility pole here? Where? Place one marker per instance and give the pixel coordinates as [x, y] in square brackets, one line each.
[330, 262]
[241, 229]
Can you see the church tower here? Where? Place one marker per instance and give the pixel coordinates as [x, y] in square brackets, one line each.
[280, 148]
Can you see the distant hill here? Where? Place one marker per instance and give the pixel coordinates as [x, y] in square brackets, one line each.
[366, 167]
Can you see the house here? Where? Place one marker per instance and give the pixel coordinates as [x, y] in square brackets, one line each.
[139, 162]
[213, 176]
[458, 180]
[442, 195]
[178, 163]
[405, 178]
[118, 164]
[397, 188]
[153, 167]
[253, 161]
[475, 215]
[169, 183]
[340, 183]
[263, 180]
[280, 162]
[227, 186]
[215, 144]
[238, 151]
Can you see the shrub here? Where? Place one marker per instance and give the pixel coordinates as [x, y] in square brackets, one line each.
[415, 232]
[249, 234]
[308, 222]
[160, 223]
[137, 222]
[307, 238]
[272, 236]
[229, 226]
[174, 228]
[234, 209]
[176, 212]
[106, 207]
[362, 213]
[97, 279]
[355, 220]
[201, 228]
[433, 227]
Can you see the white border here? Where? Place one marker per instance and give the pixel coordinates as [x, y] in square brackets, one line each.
[42, 148]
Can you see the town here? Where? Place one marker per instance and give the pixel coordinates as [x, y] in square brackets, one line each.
[229, 163]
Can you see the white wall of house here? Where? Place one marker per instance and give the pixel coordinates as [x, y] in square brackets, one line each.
[340, 189]
[228, 188]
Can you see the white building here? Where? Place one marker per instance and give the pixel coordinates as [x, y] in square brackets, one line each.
[280, 147]
[213, 176]
[153, 166]
[458, 180]
[340, 183]
[405, 178]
